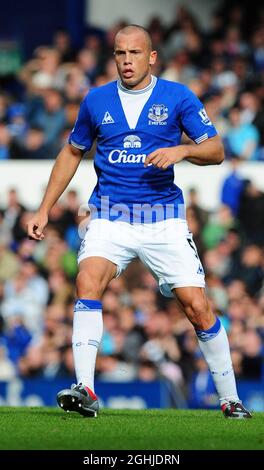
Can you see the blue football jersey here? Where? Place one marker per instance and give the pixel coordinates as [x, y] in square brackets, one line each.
[124, 185]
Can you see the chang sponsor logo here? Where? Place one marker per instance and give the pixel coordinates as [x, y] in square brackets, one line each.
[132, 142]
[123, 156]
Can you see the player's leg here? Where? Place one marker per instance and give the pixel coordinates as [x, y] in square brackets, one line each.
[171, 255]
[95, 273]
[104, 253]
[213, 342]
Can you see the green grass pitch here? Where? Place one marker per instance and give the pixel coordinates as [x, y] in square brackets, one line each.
[51, 428]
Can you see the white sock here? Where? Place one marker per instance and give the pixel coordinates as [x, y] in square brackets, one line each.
[86, 338]
[215, 348]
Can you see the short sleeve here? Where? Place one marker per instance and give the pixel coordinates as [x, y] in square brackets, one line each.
[194, 119]
[82, 134]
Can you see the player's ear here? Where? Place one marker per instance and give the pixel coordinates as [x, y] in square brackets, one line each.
[152, 57]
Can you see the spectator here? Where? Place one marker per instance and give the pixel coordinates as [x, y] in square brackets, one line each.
[242, 139]
[51, 119]
[232, 186]
[251, 212]
[218, 226]
[5, 139]
[252, 356]
[62, 43]
[9, 264]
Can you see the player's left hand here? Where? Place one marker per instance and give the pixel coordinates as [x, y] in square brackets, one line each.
[164, 157]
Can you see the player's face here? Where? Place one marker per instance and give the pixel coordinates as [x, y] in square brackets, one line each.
[134, 59]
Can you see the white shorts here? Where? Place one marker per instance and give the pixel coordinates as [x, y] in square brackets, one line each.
[166, 248]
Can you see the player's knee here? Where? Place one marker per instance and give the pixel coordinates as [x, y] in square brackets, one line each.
[199, 313]
[87, 287]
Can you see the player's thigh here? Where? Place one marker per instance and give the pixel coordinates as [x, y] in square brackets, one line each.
[173, 259]
[106, 249]
[96, 270]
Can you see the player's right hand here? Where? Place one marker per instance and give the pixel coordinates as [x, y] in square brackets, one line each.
[36, 226]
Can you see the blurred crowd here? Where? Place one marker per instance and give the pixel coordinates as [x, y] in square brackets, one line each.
[146, 336]
[223, 65]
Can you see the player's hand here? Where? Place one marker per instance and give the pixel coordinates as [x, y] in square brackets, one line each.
[164, 157]
[36, 226]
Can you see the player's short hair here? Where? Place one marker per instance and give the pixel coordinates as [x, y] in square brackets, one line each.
[132, 27]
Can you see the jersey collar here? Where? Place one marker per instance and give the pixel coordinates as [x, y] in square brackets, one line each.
[137, 92]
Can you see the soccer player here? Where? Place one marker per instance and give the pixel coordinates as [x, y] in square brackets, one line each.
[137, 210]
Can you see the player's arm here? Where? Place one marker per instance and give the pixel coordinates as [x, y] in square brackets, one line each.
[200, 161]
[208, 152]
[63, 170]
[66, 164]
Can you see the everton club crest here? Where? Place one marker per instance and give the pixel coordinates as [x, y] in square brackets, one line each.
[158, 114]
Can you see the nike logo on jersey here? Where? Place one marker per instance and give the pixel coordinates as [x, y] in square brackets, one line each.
[107, 119]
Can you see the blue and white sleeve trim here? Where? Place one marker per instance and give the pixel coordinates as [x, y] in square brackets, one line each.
[78, 146]
[201, 138]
